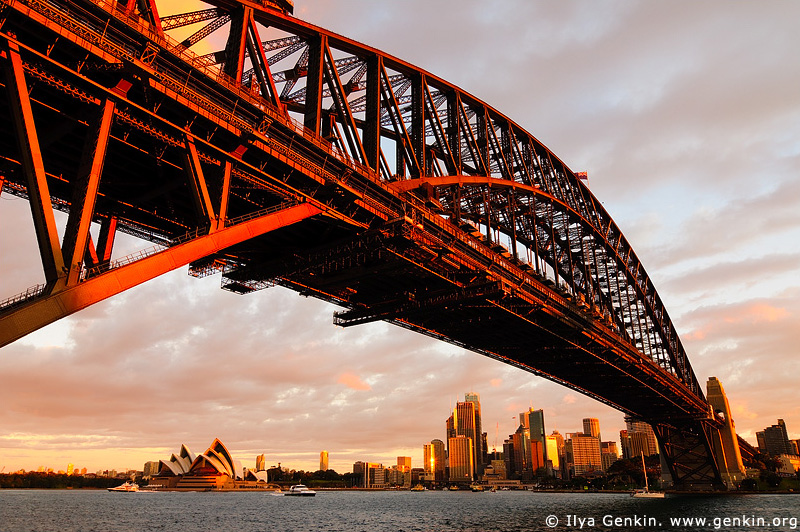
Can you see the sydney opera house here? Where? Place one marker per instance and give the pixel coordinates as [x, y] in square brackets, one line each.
[214, 470]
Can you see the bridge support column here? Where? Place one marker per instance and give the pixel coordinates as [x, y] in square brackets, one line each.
[688, 453]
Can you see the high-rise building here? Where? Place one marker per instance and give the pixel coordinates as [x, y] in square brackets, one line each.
[552, 450]
[591, 427]
[465, 421]
[70, 469]
[795, 446]
[521, 442]
[404, 463]
[462, 461]
[323, 461]
[537, 434]
[775, 440]
[646, 443]
[434, 457]
[479, 445]
[583, 455]
[261, 463]
[608, 453]
[625, 444]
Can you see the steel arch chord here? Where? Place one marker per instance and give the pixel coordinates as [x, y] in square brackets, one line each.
[299, 157]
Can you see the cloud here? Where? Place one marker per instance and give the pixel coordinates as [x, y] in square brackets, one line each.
[353, 382]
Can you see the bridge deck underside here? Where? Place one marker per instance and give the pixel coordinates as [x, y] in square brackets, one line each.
[394, 274]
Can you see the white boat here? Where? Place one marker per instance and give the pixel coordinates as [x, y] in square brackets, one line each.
[299, 490]
[646, 493]
[128, 487]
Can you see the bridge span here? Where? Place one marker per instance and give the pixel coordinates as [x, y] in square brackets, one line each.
[294, 156]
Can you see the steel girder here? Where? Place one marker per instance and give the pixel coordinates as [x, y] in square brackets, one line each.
[176, 149]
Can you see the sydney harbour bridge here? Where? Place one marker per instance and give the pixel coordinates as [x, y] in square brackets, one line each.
[297, 157]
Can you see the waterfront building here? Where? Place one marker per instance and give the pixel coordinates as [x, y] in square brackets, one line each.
[461, 458]
[404, 463]
[215, 469]
[774, 440]
[323, 461]
[434, 460]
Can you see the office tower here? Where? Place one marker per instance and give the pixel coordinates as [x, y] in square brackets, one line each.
[726, 445]
[625, 444]
[462, 461]
[774, 440]
[323, 461]
[583, 454]
[70, 469]
[537, 434]
[608, 453]
[552, 450]
[439, 459]
[591, 427]
[509, 458]
[464, 422]
[479, 442]
[647, 442]
[522, 453]
[404, 463]
[795, 444]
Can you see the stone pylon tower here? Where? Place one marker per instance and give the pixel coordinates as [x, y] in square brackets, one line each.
[726, 444]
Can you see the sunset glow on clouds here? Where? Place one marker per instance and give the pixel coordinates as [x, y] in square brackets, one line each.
[686, 117]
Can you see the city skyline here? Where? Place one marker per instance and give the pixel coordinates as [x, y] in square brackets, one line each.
[684, 117]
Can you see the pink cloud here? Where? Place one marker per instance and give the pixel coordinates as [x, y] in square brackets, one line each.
[353, 382]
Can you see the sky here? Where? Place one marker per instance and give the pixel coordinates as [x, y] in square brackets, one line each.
[686, 116]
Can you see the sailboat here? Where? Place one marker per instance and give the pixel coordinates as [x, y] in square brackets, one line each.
[646, 493]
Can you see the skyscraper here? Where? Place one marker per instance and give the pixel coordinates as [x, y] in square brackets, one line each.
[591, 427]
[261, 463]
[479, 446]
[462, 464]
[323, 461]
[537, 433]
[645, 443]
[583, 454]
[465, 422]
[775, 440]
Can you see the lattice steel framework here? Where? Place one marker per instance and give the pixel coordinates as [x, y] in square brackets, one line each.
[295, 156]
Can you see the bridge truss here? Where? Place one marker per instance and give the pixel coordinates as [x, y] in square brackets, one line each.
[298, 157]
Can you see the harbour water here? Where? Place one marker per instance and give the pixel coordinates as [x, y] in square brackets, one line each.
[401, 511]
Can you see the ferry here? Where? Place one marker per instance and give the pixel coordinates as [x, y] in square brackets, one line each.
[299, 490]
[128, 487]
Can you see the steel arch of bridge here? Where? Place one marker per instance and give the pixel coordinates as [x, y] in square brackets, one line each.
[300, 157]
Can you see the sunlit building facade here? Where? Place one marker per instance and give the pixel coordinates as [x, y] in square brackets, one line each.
[323, 461]
[462, 461]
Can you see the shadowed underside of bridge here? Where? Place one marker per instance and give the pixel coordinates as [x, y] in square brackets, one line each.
[298, 157]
